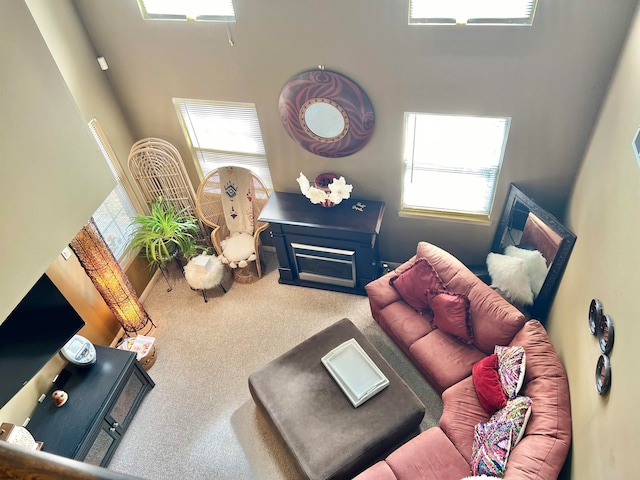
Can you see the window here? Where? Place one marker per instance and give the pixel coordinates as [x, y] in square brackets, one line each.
[115, 214]
[201, 10]
[451, 164]
[223, 133]
[471, 12]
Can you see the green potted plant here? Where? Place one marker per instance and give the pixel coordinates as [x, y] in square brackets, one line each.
[165, 233]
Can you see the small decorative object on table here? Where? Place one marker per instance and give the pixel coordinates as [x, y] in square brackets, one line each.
[328, 190]
[59, 397]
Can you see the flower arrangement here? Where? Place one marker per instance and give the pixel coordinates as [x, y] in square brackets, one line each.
[328, 190]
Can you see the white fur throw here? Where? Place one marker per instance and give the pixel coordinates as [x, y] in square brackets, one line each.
[534, 262]
[509, 274]
[201, 277]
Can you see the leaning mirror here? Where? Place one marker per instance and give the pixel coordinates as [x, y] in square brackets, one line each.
[526, 224]
[326, 113]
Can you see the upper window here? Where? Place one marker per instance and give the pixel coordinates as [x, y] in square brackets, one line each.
[451, 164]
[116, 213]
[223, 133]
[471, 12]
[201, 10]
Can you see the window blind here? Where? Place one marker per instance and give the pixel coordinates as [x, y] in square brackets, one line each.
[207, 10]
[494, 12]
[224, 133]
[452, 162]
[116, 213]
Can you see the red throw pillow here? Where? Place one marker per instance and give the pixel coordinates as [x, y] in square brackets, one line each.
[487, 383]
[414, 282]
[451, 313]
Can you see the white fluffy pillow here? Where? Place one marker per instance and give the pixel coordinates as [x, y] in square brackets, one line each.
[238, 247]
[535, 263]
[509, 274]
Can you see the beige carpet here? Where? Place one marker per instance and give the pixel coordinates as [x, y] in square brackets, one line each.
[200, 422]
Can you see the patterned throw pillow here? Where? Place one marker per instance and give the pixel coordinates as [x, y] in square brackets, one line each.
[512, 363]
[517, 411]
[414, 282]
[491, 447]
[451, 313]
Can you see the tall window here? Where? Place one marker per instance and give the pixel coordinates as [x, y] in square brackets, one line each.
[223, 133]
[201, 10]
[115, 214]
[451, 164]
[471, 12]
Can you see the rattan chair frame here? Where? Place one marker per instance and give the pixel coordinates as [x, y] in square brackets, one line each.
[210, 211]
[157, 168]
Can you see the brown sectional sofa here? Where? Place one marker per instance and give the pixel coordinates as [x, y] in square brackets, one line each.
[444, 452]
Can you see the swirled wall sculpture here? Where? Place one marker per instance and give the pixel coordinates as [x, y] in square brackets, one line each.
[326, 113]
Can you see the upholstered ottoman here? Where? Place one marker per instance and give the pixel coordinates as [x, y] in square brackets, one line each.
[327, 436]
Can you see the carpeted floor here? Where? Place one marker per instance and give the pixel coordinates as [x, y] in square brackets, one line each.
[200, 422]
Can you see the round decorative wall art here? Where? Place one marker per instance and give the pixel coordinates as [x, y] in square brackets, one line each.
[326, 113]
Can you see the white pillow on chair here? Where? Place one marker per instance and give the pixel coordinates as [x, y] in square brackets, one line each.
[237, 250]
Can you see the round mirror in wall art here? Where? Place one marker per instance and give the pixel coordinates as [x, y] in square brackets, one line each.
[595, 314]
[327, 113]
[603, 375]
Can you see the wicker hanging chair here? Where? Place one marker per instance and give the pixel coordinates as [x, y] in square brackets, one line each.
[209, 207]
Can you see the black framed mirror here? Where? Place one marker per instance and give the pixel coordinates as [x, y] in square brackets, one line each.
[525, 223]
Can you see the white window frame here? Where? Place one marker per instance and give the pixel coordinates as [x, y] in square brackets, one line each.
[451, 165]
[223, 133]
[472, 12]
[125, 205]
[188, 10]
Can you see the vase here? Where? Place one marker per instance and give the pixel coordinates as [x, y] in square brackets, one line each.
[322, 182]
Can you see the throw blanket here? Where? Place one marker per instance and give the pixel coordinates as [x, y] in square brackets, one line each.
[237, 199]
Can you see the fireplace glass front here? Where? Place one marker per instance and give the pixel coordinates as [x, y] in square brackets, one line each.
[325, 265]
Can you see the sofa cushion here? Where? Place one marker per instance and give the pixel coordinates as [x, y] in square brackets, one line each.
[414, 283]
[486, 381]
[403, 324]
[509, 274]
[511, 368]
[378, 471]
[545, 445]
[491, 447]
[443, 359]
[428, 455]
[535, 264]
[460, 413]
[494, 320]
[451, 313]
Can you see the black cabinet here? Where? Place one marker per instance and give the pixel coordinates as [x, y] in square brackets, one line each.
[103, 399]
[332, 248]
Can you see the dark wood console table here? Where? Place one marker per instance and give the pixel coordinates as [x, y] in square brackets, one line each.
[330, 248]
[103, 399]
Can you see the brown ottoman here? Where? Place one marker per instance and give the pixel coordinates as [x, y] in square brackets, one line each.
[327, 436]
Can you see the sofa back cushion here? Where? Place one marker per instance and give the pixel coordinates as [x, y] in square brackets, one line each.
[494, 320]
[547, 437]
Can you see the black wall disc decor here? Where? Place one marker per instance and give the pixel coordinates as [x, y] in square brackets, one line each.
[603, 375]
[601, 325]
[595, 314]
[605, 334]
